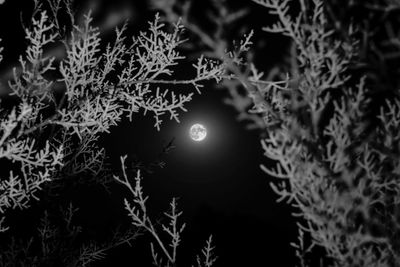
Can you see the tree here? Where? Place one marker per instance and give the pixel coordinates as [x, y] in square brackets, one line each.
[48, 133]
[328, 114]
[58, 107]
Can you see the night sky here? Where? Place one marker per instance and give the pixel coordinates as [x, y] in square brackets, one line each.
[221, 189]
[218, 182]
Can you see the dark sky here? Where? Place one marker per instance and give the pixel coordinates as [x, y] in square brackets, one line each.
[220, 187]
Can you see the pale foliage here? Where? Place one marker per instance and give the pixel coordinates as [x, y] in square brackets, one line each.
[236, 57]
[342, 177]
[36, 162]
[53, 131]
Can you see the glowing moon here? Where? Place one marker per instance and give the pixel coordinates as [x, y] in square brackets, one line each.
[198, 132]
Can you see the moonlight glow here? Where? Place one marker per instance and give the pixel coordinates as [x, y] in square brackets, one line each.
[198, 132]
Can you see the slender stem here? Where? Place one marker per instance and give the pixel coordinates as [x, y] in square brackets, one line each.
[151, 229]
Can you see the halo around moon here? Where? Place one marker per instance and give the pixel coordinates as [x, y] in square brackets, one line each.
[198, 132]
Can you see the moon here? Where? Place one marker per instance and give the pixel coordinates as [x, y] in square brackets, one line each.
[198, 132]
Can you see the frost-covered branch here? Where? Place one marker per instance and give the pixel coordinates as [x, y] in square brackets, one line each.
[137, 211]
[207, 257]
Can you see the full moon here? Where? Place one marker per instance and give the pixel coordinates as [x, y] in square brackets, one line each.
[198, 132]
